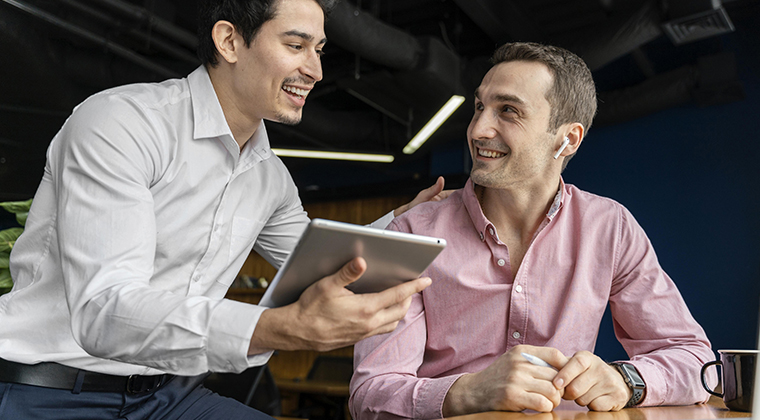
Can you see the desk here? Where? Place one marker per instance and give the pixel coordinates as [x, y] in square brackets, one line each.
[714, 409]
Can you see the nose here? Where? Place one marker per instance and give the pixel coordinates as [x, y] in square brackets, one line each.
[312, 67]
[481, 126]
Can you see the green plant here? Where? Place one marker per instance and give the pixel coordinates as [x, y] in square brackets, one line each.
[8, 239]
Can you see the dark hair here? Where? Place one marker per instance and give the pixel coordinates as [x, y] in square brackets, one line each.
[572, 96]
[246, 15]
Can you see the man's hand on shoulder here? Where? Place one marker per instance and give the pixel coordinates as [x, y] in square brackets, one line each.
[511, 383]
[328, 316]
[592, 383]
[432, 193]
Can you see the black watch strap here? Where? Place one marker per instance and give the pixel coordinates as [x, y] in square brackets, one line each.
[633, 380]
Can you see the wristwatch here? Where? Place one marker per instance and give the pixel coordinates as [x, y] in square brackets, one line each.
[633, 380]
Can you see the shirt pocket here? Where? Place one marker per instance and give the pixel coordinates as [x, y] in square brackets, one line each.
[243, 235]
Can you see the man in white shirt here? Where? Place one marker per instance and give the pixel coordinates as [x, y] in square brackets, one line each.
[152, 197]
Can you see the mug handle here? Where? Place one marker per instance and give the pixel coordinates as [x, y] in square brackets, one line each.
[704, 383]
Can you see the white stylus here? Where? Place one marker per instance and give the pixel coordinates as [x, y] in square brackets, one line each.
[536, 360]
[562, 147]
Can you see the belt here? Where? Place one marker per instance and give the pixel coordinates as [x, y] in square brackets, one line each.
[58, 376]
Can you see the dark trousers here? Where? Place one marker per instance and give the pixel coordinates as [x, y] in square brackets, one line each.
[182, 398]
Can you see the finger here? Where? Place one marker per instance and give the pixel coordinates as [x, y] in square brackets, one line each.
[550, 355]
[429, 193]
[436, 188]
[604, 403]
[395, 312]
[350, 272]
[442, 195]
[539, 401]
[576, 366]
[388, 318]
[399, 293]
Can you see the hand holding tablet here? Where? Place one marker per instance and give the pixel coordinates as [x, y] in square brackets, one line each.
[392, 258]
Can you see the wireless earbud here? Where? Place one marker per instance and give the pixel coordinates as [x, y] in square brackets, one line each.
[565, 142]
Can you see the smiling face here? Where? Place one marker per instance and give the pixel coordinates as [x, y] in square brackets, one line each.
[508, 135]
[275, 74]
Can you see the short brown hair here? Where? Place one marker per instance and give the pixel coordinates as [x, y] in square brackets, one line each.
[572, 96]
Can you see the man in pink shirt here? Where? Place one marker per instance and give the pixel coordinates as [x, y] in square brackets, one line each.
[530, 267]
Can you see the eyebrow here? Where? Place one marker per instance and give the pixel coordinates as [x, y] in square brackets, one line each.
[504, 97]
[304, 36]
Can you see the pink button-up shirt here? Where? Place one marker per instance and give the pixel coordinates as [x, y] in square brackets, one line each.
[588, 252]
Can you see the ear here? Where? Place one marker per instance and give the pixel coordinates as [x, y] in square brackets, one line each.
[225, 39]
[574, 132]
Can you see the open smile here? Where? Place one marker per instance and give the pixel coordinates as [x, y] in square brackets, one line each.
[296, 92]
[491, 154]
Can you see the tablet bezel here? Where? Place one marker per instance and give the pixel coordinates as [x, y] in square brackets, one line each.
[326, 245]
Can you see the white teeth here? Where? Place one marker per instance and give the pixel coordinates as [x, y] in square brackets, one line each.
[295, 90]
[490, 154]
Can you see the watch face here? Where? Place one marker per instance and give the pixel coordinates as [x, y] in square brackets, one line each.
[633, 375]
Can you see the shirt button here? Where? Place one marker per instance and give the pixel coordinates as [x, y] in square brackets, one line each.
[481, 236]
[490, 230]
[516, 334]
[518, 288]
[500, 262]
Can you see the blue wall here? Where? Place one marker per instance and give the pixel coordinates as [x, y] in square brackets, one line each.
[690, 177]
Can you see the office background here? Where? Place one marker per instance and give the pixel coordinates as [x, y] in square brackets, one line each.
[676, 140]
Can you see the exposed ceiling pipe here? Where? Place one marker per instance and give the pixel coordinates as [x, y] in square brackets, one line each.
[92, 37]
[149, 39]
[501, 20]
[712, 80]
[618, 37]
[154, 22]
[372, 39]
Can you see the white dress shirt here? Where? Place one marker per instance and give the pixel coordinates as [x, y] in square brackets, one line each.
[145, 214]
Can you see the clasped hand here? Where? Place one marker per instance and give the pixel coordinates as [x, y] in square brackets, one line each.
[512, 383]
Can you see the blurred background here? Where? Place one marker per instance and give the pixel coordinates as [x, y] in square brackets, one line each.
[674, 139]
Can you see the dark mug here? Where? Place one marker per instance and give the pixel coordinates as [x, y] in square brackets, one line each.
[737, 377]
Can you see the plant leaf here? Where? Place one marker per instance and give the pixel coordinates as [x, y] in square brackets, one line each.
[21, 218]
[8, 238]
[5, 278]
[17, 206]
[5, 259]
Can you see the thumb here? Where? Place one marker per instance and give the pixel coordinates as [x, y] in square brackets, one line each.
[350, 272]
[430, 192]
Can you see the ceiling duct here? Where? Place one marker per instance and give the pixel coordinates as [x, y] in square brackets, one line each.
[364, 35]
[712, 80]
[691, 20]
[620, 35]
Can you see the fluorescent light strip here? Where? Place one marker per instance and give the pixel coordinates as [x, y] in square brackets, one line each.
[315, 154]
[442, 115]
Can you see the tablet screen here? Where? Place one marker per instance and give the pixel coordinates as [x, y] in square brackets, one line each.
[392, 258]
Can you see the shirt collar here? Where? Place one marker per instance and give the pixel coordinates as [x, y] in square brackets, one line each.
[209, 120]
[482, 224]
[208, 117]
[471, 203]
[559, 198]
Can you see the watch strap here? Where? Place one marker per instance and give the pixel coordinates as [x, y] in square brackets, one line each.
[633, 380]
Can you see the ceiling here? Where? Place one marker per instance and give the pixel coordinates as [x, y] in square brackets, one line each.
[389, 66]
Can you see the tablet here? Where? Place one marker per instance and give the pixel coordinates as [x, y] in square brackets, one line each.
[326, 246]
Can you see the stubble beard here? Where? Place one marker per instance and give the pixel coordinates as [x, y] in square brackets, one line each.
[283, 118]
